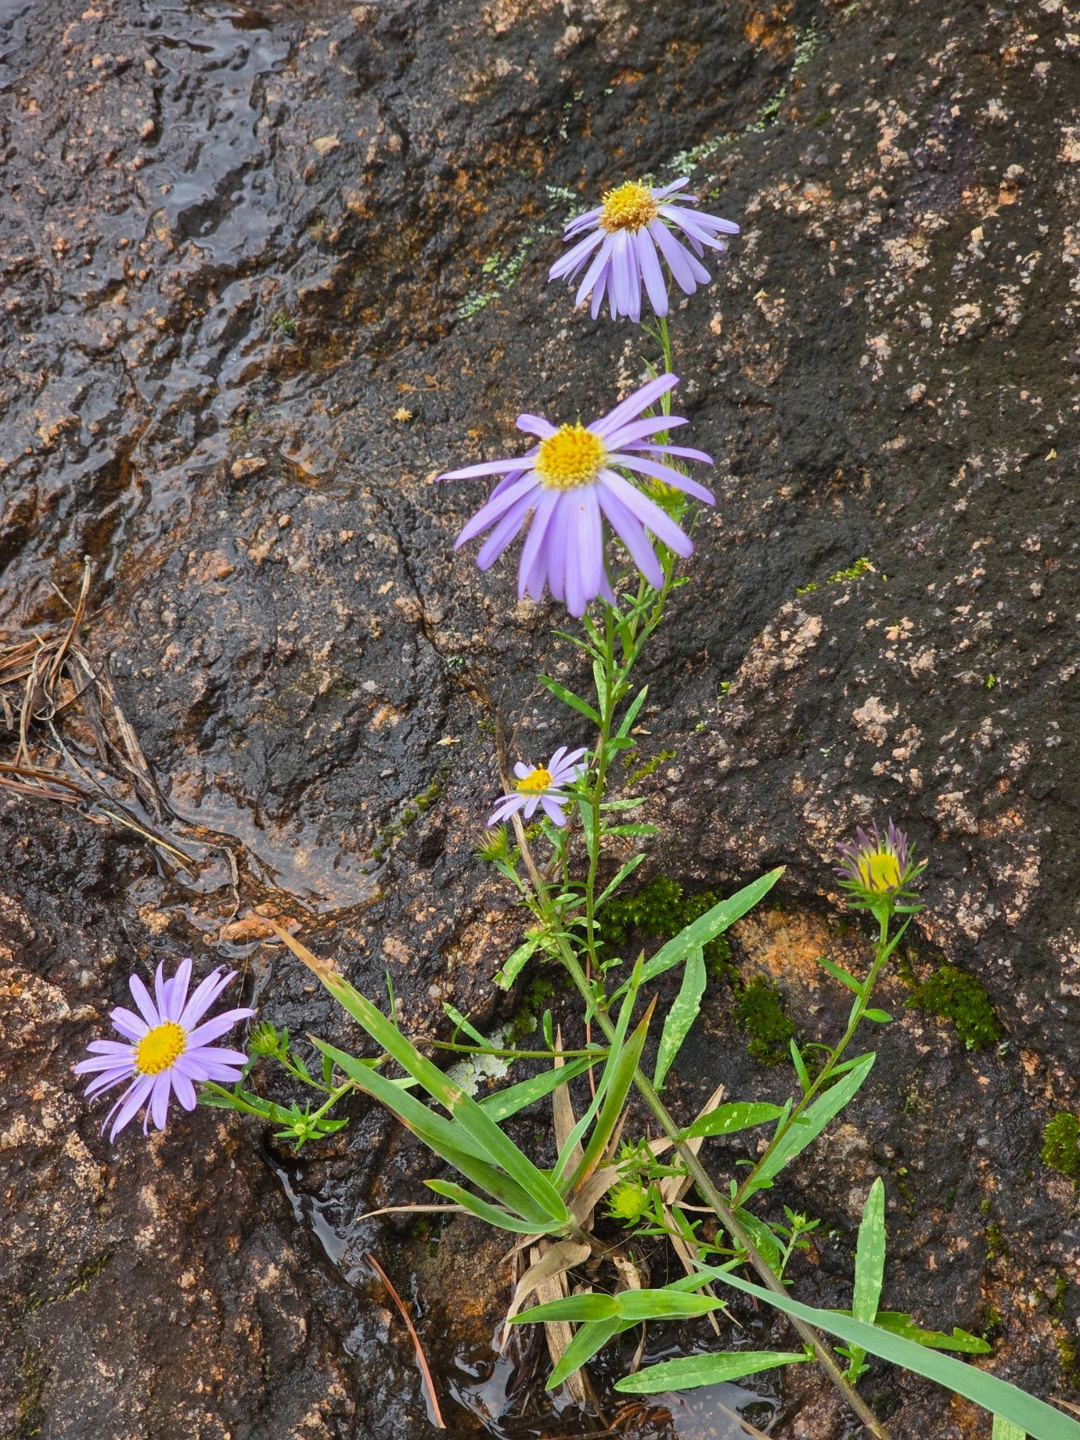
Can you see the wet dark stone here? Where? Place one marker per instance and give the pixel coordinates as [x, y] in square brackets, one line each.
[266, 271]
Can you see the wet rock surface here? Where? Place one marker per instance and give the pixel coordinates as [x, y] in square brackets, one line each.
[266, 271]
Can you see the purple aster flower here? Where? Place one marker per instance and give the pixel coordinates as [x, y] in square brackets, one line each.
[566, 487]
[620, 250]
[543, 786]
[165, 1049]
[878, 867]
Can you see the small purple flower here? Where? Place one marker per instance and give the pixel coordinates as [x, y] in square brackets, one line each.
[165, 1049]
[566, 487]
[626, 231]
[876, 866]
[543, 786]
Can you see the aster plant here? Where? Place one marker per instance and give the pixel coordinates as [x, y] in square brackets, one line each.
[167, 1047]
[572, 486]
[542, 785]
[624, 238]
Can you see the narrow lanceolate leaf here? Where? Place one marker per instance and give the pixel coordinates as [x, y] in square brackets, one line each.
[633, 1306]
[569, 698]
[590, 1338]
[1031, 1417]
[694, 1370]
[708, 926]
[681, 1016]
[481, 1129]
[844, 976]
[505, 1103]
[811, 1123]
[870, 1255]
[515, 963]
[632, 713]
[623, 1068]
[897, 1323]
[726, 1119]
[490, 1214]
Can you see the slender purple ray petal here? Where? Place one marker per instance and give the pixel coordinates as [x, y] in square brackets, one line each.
[637, 430]
[683, 451]
[632, 534]
[677, 256]
[128, 1023]
[651, 273]
[649, 513]
[489, 467]
[142, 999]
[494, 509]
[535, 425]
[575, 258]
[205, 996]
[666, 474]
[504, 533]
[632, 406]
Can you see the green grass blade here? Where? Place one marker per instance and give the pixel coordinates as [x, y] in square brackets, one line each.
[590, 1338]
[482, 1210]
[694, 1370]
[1033, 1417]
[505, 1103]
[680, 1018]
[622, 1067]
[708, 926]
[482, 1130]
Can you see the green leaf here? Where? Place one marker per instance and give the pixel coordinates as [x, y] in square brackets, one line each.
[694, 1370]
[515, 963]
[708, 926]
[880, 1017]
[726, 1119]
[590, 1338]
[574, 1307]
[1006, 1430]
[680, 1018]
[627, 869]
[502, 1219]
[622, 1065]
[899, 1324]
[842, 975]
[632, 713]
[569, 698]
[463, 1023]
[811, 1123]
[631, 1306]
[505, 1103]
[761, 1236]
[1033, 1417]
[800, 1066]
[870, 1255]
[485, 1137]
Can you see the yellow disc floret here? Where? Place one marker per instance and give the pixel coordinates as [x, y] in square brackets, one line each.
[880, 871]
[160, 1048]
[536, 782]
[628, 207]
[571, 457]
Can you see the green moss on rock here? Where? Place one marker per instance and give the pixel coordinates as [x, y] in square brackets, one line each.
[1061, 1144]
[954, 995]
[762, 1013]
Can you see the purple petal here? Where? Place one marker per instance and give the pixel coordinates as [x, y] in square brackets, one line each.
[145, 1004]
[535, 425]
[128, 1023]
[531, 802]
[633, 405]
[204, 997]
[218, 1026]
[159, 1099]
[489, 467]
[638, 430]
[551, 809]
[504, 533]
[521, 770]
[706, 226]
[666, 190]
[601, 260]
[128, 1105]
[681, 450]
[110, 1047]
[506, 807]
[580, 222]
[666, 474]
[575, 258]
[649, 513]
[106, 1081]
[632, 534]
[651, 273]
[556, 760]
[183, 1089]
[495, 508]
[677, 256]
[104, 1062]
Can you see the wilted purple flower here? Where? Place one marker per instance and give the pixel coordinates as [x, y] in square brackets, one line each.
[877, 866]
[564, 488]
[165, 1049]
[543, 786]
[626, 231]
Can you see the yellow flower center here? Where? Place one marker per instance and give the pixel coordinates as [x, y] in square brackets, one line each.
[536, 782]
[880, 871]
[628, 207]
[571, 457]
[160, 1048]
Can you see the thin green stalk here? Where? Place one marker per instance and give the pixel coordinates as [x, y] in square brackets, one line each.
[858, 1010]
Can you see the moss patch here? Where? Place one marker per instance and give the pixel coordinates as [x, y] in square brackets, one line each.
[954, 995]
[1061, 1144]
[762, 1013]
